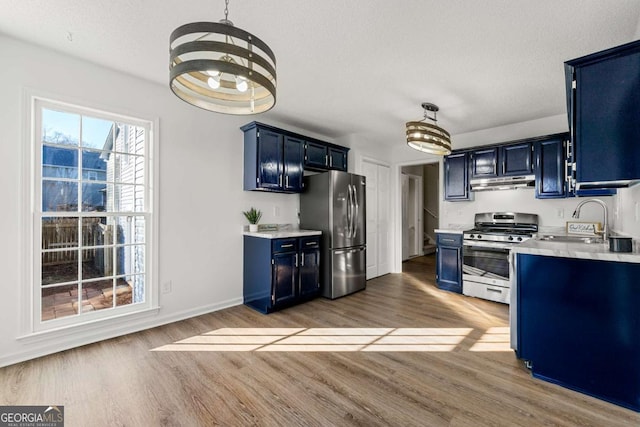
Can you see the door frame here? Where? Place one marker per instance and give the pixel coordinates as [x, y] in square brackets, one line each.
[417, 195]
[396, 217]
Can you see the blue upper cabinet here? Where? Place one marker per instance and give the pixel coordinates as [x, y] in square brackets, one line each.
[484, 163]
[293, 156]
[515, 159]
[603, 99]
[337, 158]
[550, 172]
[270, 165]
[275, 159]
[456, 176]
[320, 156]
[315, 155]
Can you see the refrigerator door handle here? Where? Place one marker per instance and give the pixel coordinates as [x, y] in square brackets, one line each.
[355, 217]
[349, 211]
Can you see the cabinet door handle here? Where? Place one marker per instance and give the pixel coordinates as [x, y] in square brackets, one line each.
[330, 161]
[494, 290]
[326, 159]
[447, 240]
[503, 168]
[311, 243]
[301, 260]
[286, 181]
[289, 245]
[280, 180]
[296, 260]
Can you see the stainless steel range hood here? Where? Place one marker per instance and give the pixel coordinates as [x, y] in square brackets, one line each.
[503, 183]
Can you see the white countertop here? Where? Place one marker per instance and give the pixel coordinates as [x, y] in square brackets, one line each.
[454, 229]
[595, 251]
[282, 234]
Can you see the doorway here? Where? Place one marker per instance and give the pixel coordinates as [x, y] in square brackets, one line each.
[378, 206]
[419, 208]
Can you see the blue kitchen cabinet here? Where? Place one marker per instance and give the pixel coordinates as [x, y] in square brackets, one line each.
[484, 163]
[309, 267]
[321, 156]
[292, 160]
[603, 100]
[456, 176]
[550, 168]
[578, 324]
[515, 159]
[315, 155]
[449, 261]
[272, 160]
[337, 159]
[279, 273]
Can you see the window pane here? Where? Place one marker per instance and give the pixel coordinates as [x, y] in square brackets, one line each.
[59, 267]
[124, 292]
[59, 196]
[96, 133]
[139, 231]
[129, 169]
[94, 197]
[94, 165]
[59, 233]
[125, 198]
[59, 302]
[58, 162]
[60, 128]
[97, 231]
[94, 295]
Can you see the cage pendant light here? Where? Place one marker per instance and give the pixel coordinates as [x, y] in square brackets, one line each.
[428, 137]
[219, 67]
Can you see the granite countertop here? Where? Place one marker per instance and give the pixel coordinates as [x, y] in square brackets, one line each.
[595, 251]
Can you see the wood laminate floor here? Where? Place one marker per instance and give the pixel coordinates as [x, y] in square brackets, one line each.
[458, 373]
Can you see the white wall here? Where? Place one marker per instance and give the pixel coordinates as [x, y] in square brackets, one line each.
[629, 211]
[551, 212]
[200, 191]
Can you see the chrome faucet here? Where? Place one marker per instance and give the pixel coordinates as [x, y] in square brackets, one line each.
[605, 228]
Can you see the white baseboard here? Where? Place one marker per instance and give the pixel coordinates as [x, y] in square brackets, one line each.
[44, 344]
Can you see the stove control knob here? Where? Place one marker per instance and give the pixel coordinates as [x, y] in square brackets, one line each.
[510, 238]
[519, 239]
[479, 236]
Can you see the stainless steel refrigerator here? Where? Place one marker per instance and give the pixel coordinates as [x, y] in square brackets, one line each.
[334, 203]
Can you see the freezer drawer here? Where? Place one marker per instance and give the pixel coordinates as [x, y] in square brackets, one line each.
[347, 272]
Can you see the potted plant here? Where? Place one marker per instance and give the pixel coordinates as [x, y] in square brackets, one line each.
[253, 216]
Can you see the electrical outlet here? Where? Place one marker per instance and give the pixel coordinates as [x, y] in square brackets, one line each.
[560, 213]
[166, 287]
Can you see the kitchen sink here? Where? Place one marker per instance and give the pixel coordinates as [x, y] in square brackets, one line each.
[570, 239]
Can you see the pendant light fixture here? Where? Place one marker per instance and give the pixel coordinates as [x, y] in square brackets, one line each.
[222, 68]
[428, 137]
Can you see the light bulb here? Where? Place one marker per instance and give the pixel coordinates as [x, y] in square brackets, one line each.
[214, 82]
[241, 84]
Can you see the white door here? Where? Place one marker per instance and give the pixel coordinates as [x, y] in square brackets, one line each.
[378, 205]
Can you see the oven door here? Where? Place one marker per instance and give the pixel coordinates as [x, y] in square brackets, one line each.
[485, 271]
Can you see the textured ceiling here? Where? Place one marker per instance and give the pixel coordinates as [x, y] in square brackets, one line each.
[359, 67]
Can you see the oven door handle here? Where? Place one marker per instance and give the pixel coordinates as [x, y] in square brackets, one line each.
[487, 248]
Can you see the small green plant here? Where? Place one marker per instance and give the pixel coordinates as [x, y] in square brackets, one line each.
[253, 215]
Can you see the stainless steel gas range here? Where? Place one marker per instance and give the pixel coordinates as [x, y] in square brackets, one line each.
[486, 253]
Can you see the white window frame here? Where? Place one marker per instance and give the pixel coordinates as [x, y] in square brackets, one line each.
[32, 298]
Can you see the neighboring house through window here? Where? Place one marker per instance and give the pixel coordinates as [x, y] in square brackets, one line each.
[92, 214]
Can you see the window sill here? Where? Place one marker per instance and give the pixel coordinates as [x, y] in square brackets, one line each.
[107, 325]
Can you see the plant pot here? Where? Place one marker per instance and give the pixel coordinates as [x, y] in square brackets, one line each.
[253, 228]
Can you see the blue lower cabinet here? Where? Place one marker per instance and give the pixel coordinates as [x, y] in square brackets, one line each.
[578, 325]
[449, 261]
[279, 273]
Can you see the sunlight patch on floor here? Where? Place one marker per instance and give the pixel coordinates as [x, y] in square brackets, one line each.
[341, 340]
